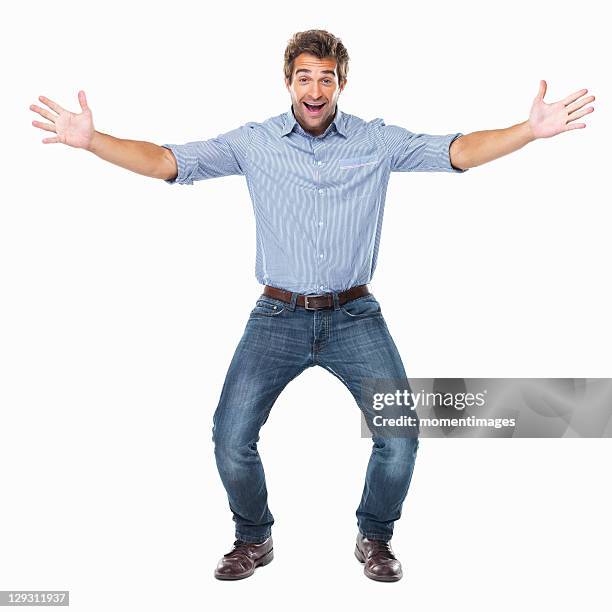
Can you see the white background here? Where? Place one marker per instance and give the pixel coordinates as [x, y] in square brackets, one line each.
[116, 333]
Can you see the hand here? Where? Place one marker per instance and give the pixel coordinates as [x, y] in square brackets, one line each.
[71, 129]
[546, 120]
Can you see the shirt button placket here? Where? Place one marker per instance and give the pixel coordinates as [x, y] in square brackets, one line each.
[321, 193]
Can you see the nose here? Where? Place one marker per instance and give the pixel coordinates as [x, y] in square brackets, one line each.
[315, 91]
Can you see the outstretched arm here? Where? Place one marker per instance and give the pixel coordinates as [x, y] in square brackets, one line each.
[77, 130]
[545, 120]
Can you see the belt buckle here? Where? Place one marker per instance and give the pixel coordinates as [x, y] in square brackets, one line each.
[307, 297]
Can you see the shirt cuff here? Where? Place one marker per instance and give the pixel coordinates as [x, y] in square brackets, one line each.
[187, 165]
[450, 139]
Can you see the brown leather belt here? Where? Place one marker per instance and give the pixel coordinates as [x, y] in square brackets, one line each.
[317, 302]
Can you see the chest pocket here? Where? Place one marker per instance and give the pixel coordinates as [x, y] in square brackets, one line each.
[356, 176]
[356, 162]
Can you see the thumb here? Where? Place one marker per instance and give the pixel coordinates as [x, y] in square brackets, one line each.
[83, 101]
[542, 90]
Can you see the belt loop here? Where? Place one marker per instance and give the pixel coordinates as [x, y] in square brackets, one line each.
[336, 301]
[294, 297]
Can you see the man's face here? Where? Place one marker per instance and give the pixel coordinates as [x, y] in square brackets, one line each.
[314, 81]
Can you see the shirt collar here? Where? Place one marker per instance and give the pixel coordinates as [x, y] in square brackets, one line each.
[289, 122]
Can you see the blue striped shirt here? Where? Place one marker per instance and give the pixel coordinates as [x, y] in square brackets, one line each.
[318, 200]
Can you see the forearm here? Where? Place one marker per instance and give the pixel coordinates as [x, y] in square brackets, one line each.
[138, 156]
[477, 148]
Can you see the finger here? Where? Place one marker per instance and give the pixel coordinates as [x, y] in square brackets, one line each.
[572, 97]
[574, 126]
[44, 112]
[51, 104]
[578, 114]
[542, 90]
[83, 100]
[51, 140]
[44, 126]
[579, 104]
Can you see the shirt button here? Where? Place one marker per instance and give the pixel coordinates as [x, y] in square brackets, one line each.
[321, 191]
[321, 255]
[319, 163]
[322, 287]
[320, 223]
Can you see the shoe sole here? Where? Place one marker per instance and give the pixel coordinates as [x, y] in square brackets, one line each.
[361, 559]
[259, 563]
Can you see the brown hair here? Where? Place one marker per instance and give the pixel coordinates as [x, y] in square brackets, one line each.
[320, 43]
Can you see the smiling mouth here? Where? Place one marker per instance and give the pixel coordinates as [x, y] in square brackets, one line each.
[314, 109]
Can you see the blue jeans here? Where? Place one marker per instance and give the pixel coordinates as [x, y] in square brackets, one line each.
[279, 342]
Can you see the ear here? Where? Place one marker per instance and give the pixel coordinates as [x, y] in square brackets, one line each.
[343, 86]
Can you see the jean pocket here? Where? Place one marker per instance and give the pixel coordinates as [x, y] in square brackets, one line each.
[362, 307]
[268, 307]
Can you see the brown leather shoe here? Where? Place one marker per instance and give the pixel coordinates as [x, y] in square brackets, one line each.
[378, 559]
[242, 560]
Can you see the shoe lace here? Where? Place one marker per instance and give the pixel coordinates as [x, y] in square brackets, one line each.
[239, 548]
[382, 547]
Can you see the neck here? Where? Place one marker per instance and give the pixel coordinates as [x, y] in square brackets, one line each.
[319, 130]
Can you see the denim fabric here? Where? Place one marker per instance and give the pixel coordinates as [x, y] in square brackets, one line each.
[279, 342]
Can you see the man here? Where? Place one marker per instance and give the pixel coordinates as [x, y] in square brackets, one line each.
[317, 178]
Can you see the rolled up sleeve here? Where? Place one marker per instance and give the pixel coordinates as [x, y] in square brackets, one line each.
[412, 152]
[224, 155]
